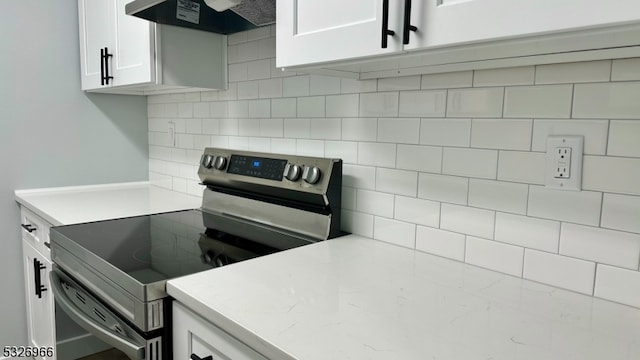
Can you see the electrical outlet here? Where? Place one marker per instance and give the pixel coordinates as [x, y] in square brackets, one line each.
[564, 162]
[171, 132]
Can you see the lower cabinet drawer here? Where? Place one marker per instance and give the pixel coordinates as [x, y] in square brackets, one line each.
[195, 338]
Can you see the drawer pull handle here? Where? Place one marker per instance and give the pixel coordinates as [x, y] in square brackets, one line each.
[37, 266]
[196, 357]
[30, 228]
[407, 22]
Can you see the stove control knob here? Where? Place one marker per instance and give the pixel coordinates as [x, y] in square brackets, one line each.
[292, 172]
[311, 174]
[206, 161]
[220, 162]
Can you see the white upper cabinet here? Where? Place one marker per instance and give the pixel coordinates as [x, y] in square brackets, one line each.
[317, 33]
[329, 30]
[449, 22]
[124, 54]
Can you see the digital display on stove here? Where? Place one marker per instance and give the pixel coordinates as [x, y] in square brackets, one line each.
[265, 168]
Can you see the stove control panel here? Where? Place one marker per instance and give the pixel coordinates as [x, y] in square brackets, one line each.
[278, 170]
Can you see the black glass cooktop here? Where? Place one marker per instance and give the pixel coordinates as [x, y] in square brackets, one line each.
[159, 247]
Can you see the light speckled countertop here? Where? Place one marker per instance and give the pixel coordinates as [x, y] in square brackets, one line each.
[357, 298]
[77, 204]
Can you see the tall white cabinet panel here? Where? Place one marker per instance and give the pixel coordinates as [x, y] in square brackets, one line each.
[40, 303]
[450, 22]
[104, 27]
[330, 30]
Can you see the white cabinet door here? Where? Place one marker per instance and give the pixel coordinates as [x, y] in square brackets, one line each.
[40, 303]
[97, 26]
[330, 30]
[130, 42]
[134, 53]
[451, 22]
[196, 338]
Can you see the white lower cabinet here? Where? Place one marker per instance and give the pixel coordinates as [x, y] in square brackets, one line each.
[40, 303]
[195, 338]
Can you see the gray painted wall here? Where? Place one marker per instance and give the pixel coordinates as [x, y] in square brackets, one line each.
[51, 132]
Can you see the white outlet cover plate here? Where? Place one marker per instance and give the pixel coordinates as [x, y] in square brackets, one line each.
[576, 143]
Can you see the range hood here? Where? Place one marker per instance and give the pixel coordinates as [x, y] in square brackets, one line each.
[218, 16]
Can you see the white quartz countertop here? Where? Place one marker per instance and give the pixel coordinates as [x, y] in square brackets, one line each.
[357, 298]
[77, 204]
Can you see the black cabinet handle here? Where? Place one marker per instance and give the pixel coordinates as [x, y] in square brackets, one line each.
[196, 357]
[30, 228]
[407, 22]
[37, 266]
[104, 66]
[385, 23]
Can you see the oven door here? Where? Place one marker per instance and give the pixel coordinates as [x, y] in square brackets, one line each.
[93, 316]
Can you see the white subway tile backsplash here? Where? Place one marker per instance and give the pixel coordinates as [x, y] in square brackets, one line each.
[357, 223]
[451, 189]
[418, 149]
[498, 195]
[582, 207]
[625, 69]
[345, 150]
[311, 106]
[361, 177]
[399, 83]
[607, 101]
[557, 270]
[377, 154]
[379, 104]
[323, 85]
[467, 220]
[611, 174]
[448, 80]
[594, 132]
[520, 166]
[259, 108]
[271, 127]
[401, 182]
[297, 128]
[342, 105]
[621, 212]
[423, 103]
[417, 211]
[624, 138]
[284, 108]
[306, 147]
[327, 129]
[503, 77]
[399, 130]
[507, 134]
[248, 90]
[445, 132]
[477, 102]
[470, 162]
[270, 88]
[528, 232]
[295, 86]
[588, 71]
[419, 158]
[375, 203]
[493, 255]
[395, 232]
[549, 101]
[440, 242]
[350, 86]
[619, 285]
[600, 245]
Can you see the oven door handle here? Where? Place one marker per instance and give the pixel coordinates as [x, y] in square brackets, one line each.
[133, 346]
